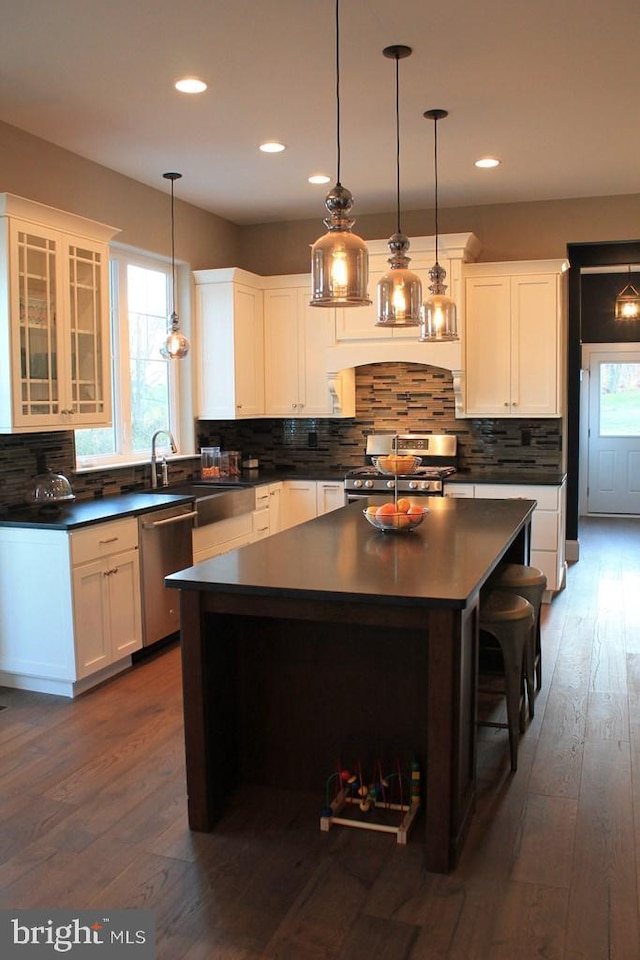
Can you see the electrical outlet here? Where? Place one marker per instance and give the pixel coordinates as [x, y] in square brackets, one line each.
[525, 437]
[312, 439]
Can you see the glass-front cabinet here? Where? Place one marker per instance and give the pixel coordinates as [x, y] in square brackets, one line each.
[54, 319]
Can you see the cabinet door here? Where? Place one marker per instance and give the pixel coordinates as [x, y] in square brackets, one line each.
[282, 353]
[248, 351]
[36, 281]
[91, 618]
[329, 496]
[315, 327]
[534, 346]
[88, 334]
[123, 587]
[298, 502]
[488, 346]
[275, 507]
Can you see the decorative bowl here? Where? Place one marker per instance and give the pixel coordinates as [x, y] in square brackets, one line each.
[395, 465]
[396, 522]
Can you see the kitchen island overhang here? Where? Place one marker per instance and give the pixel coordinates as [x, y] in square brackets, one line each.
[332, 636]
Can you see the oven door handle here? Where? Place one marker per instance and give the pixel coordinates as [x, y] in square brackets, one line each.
[150, 524]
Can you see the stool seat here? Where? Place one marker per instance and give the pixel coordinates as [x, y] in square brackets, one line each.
[530, 583]
[510, 619]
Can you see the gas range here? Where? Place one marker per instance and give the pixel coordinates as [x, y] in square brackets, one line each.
[437, 454]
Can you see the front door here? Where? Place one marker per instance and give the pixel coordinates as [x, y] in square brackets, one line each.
[614, 432]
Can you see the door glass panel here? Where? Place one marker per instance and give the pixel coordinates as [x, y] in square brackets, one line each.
[37, 296]
[619, 399]
[87, 386]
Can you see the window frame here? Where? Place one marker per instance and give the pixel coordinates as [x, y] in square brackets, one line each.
[180, 371]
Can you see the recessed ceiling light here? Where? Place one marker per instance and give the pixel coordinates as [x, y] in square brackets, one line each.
[319, 178]
[272, 146]
[190, 85]
[487, 162]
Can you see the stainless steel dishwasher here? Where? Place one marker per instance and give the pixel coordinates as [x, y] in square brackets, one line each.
[165, 542]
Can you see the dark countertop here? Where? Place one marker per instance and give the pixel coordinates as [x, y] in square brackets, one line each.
[552, 478]
[82, 513]
[339, 556]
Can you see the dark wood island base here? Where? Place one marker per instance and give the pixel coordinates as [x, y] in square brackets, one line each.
[332, 642]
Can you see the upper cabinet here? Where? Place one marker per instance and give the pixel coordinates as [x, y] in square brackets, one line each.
[514, 342]
[296, 340]
[230, 357]
[54, 319]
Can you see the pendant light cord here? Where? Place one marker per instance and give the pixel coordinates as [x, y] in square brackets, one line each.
[398, 143]
[173, 252]
[435, 164]
[338, 89]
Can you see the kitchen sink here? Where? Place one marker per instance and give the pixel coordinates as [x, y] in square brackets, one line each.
[213, 503]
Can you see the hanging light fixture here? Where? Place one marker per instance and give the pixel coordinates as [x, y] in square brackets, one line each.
[339, 259]
[399, 289]
[628, 302]
[439, 310]
[176, 344]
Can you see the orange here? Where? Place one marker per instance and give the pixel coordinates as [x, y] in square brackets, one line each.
[386, 510]
[415, 511]
[403, 505]
[371, 511]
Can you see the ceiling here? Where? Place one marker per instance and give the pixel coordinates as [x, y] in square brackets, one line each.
[549, 87]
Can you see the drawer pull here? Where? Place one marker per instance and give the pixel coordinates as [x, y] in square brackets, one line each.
[109, 540]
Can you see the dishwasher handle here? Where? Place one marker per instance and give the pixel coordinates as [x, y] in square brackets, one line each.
[150, 524]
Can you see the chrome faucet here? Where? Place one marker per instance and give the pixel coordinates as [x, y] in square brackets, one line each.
[154, 458]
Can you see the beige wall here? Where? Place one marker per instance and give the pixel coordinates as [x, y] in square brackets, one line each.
[507, 231]
[41, 171]
[38, 170]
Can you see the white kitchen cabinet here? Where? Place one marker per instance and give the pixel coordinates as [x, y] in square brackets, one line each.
[298, 502]
[106, 594]
[55, 352]
[275, 507]
[296, 340]
[86, 621]
[548, 548]
[514, 343]
[230, 345]
[329, 496]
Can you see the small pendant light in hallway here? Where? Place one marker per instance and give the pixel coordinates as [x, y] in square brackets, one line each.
[399, 289]
[439, 317]
[339, 259]
[627, 305]
[176, 344]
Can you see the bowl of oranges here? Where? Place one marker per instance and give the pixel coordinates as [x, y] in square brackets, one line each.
[399, 516]
[396, 464]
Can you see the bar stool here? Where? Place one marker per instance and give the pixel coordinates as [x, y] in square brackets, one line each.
[510, 619]
[530, 583]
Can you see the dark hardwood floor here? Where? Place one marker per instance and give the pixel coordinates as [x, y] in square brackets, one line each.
[92, 814]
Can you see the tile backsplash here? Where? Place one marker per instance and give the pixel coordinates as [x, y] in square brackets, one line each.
[394, 397]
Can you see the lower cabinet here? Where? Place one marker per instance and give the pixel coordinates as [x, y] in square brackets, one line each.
[298, 502]
[547, 524]
[329, 496]
[86, 621]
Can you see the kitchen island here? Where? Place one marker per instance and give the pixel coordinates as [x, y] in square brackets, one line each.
[334, 643]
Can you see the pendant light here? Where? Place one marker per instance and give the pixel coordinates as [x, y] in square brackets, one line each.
[439, 310]
[399, 289]
[628, 302]
[339, 259]
[176, 344]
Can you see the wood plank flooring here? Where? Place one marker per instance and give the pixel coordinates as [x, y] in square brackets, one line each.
[92, 814]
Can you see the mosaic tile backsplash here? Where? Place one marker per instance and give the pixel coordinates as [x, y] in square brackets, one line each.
[394, 397]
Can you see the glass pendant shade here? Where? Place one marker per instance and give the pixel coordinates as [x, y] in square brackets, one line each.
[339, 259]
[627, 305]
[176, 346]
[399, 289]
[439, 318]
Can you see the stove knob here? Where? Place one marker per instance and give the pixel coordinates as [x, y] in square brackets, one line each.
[357, 484]
[368, 484]
[413, 485]
[391, 484]
[425, 485]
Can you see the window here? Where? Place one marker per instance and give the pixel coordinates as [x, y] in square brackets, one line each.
[145, 385]
[620, 399]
